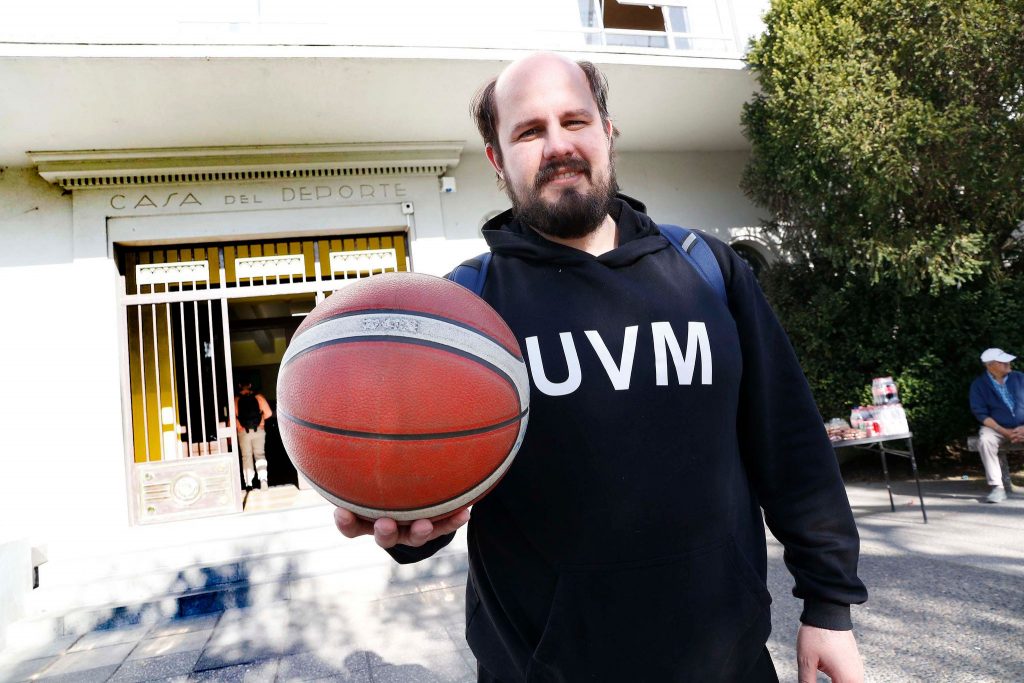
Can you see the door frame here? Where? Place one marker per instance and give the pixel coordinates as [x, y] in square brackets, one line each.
[173, 481]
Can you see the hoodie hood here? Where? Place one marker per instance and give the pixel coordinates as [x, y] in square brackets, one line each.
[638, 236]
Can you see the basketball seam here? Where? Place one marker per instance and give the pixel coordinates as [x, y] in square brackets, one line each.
[515, 352]
[425, 508]
[376, 436]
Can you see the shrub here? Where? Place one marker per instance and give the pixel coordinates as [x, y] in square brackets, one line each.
[847, 331]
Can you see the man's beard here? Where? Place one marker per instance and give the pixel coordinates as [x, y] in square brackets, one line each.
[573, 214]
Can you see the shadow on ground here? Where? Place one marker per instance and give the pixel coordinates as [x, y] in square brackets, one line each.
[945, 602]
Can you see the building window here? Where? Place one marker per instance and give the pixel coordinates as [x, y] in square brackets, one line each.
[622, 20]
[590, 13]
[679, 22]
[685, 25]
[623, 23]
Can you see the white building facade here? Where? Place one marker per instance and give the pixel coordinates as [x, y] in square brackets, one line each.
[180, 182]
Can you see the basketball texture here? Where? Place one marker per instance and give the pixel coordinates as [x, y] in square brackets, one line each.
[403, 395]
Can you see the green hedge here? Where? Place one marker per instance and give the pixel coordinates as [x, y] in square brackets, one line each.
[847, 330]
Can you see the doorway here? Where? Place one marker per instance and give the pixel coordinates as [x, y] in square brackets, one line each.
[260, 330]
[198, 319]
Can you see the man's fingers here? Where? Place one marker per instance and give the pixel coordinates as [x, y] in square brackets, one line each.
[420, 531]
[385, 532]
[349, 525]
[446, 526]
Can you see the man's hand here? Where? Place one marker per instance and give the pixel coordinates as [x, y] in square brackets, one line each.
[1017, 434]
[387, 532]
[833, 652]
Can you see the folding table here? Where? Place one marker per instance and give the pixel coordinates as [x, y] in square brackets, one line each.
[881, 444]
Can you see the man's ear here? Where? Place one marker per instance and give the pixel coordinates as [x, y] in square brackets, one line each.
[494, 157]
[609, 131]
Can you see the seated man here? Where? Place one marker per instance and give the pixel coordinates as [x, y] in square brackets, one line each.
[997, 400]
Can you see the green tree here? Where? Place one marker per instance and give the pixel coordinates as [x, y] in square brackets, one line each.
[888, 136]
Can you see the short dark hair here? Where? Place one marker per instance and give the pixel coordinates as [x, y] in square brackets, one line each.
[485, 112]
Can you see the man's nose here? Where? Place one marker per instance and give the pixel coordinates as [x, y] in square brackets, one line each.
[558, 144]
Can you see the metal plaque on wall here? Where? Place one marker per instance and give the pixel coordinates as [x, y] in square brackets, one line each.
[184, 489]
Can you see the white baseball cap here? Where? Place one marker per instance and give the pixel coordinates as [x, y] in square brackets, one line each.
[990, 355]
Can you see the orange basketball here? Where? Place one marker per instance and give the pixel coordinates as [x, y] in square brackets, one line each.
[403, 395]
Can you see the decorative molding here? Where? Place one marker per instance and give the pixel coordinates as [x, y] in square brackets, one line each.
[116, 168]
[177, 272]
[365, 261]
[254, 267]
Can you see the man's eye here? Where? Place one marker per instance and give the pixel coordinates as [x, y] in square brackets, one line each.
[575, 124]
[529, 132]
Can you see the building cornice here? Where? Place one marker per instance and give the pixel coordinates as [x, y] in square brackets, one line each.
[159, 166]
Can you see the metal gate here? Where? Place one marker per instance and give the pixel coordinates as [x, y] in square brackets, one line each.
[177, 379]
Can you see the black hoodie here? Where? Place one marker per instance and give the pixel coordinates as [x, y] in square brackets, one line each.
[626, 540]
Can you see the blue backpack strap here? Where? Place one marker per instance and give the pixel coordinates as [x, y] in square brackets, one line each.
[695, 250]
[472, 274]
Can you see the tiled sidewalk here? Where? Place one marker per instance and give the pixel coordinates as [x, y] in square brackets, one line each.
[346, 640]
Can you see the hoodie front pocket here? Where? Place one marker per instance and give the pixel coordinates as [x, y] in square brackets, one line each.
[698, 616]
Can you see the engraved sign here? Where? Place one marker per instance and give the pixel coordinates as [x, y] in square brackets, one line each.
[286, 195]
[316, 193]
[242, 198]
[120, 202]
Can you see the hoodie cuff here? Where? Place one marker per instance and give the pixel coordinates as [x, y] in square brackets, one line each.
[827, 615]
[406, 554]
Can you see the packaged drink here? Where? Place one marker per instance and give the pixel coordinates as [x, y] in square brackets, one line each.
[884, 391]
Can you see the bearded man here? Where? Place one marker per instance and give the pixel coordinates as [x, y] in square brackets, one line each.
[626, 541]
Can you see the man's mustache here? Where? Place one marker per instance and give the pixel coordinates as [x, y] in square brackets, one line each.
[572, 165]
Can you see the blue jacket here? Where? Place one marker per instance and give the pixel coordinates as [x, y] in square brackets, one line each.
[986, 402]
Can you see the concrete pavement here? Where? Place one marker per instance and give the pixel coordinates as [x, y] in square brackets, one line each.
[947, 604]
[946, 598]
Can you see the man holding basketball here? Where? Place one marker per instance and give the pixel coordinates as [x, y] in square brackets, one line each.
[626, 540]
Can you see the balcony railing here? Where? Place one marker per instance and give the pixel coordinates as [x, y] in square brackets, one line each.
[674, 27]
[611, 39]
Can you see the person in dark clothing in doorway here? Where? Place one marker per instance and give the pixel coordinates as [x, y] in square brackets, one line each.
[251, 413]
[626, 541]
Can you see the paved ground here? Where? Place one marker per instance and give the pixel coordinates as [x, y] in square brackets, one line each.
[946, 599]
[947, 604]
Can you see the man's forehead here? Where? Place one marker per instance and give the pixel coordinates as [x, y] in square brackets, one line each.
[545, 75]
